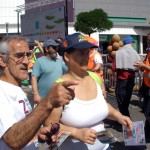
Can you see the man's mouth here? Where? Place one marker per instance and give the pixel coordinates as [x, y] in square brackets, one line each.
[26, 69]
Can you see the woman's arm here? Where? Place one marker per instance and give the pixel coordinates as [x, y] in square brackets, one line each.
[37, 97]
[117, 116]
[86, 135]
[142, 66]
[54, 116]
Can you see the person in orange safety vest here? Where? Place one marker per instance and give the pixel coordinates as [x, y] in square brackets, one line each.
[145, 91]
[95, 62]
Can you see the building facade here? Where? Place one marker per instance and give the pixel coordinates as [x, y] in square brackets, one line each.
[9, 16]
[130, 17]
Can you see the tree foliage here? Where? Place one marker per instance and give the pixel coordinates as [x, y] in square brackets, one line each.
[93, 21]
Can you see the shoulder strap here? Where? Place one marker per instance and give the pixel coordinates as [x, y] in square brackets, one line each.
[95, 77]
[59, 80]
[92, 74]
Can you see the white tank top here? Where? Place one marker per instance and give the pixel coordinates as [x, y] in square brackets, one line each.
[85, 114]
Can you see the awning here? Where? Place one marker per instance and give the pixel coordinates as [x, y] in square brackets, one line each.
[125, 31]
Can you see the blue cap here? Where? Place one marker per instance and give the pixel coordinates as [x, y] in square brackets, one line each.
[50, 42]
[128, 39]
[148, 50]
[78, 41]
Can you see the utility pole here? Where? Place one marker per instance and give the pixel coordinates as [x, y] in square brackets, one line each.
[66, 17]
[7, 26]
[18, 20]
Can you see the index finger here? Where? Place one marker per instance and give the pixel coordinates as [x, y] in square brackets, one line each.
[128, 123]
[67, 84]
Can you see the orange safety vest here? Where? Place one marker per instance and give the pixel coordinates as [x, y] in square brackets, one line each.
[91, 64]
[146, 72]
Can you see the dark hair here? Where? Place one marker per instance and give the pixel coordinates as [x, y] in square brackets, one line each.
[69, 51]
[62, 50]
[31, 45]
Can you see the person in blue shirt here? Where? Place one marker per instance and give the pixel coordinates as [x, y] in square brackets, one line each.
[46, 70]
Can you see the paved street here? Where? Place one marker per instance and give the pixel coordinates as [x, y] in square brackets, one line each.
[114, 127]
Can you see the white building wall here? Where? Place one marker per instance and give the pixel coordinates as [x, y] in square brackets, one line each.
[9, 15]
[134, 9]
[120, 8]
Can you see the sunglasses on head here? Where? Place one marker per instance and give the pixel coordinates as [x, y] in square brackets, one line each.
[54, 129]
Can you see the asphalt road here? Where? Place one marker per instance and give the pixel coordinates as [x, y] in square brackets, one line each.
[114, 127]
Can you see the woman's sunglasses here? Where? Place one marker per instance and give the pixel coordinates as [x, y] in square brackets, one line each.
[54, 129]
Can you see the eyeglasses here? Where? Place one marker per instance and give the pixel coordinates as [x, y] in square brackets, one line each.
[54, 47]
[20, 56]
[54, 129]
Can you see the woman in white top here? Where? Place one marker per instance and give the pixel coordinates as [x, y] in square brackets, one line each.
[84, 115]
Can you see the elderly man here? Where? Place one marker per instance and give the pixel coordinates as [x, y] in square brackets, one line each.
[18, 125]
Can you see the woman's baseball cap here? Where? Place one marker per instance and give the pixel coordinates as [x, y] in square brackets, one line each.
[75, 41]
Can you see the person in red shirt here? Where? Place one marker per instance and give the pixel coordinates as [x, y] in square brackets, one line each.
[124, 60]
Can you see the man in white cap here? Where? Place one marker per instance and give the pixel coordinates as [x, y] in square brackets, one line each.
[46, 70]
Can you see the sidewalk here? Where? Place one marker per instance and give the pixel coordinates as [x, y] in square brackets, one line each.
[113, 126]
[116, 129]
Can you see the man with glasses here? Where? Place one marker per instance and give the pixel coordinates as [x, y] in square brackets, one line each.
[18, 123]
[46, 70]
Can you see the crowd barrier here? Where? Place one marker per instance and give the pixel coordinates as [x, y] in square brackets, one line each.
[110, 77]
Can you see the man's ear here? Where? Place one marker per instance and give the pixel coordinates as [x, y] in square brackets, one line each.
[66, 57]
[2, 60]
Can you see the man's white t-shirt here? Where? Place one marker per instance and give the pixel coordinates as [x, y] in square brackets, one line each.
[14, 106]
[98, 59]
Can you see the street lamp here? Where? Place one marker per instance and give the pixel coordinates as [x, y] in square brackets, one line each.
[66, 17]
[18, 21]
[7, 26]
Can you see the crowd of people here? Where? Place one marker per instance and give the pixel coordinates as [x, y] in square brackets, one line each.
[67, 82]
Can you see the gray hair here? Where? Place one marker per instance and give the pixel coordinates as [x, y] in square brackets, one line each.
[6, 49]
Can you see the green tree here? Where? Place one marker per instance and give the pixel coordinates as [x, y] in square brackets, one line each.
[93, 21]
